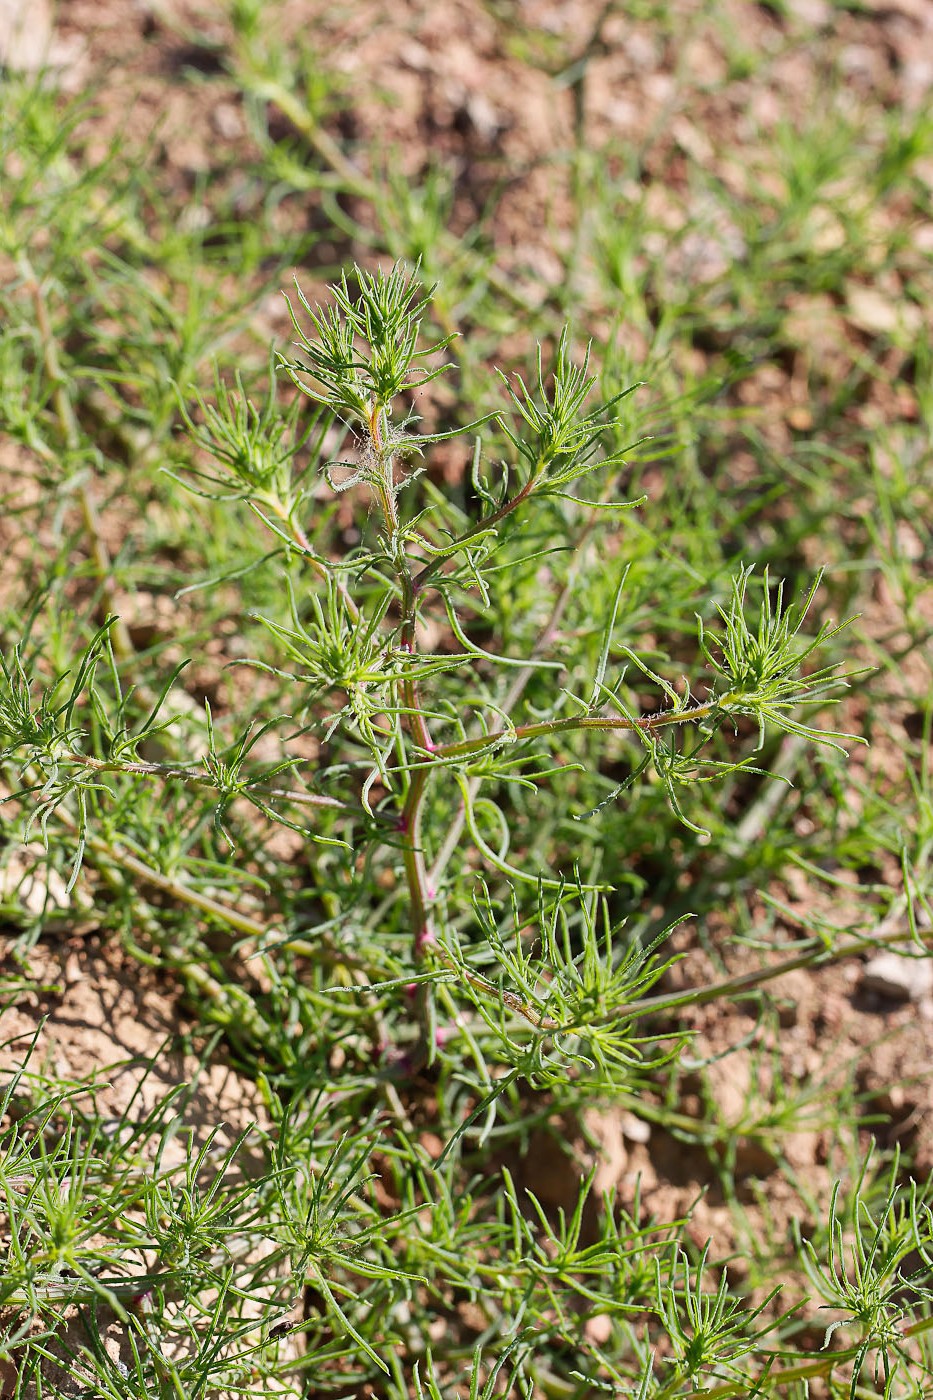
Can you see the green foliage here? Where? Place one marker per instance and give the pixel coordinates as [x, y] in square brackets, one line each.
[706, 1330]
[761, 667]
[877, 1261]
[420, 772]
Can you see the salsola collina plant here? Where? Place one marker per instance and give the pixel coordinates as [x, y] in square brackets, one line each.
[351, 650]
[429, 740]
[353, 636]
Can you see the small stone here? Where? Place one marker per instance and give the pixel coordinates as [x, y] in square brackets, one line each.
[432, 1144]
[898, 978]
[482, 116]
[800, 418]
[635, 1129]
[816, 13]
[227, 121]
[882, 313]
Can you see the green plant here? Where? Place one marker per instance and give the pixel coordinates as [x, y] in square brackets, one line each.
[568, 1009]
[377, 737]
[359, 673]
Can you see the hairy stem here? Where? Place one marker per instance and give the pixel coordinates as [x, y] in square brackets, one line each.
[512, 697]
[410, 820]
[489, 522]
[135, 767]
[464, 748]
[805, 1370]
[312, 558]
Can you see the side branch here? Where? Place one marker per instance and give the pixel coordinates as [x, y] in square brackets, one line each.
[464, 748]
[197, 777]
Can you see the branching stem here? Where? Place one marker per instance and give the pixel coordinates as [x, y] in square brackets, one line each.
[464, 748]
[805, 1370]
[732, 988]
[410, 822]
[489, 522]
[199, 779]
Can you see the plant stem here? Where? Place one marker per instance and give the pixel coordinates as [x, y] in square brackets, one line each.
[463, 748]
[805, 1370]
[198, 779]
[816, 956]
[489, 522]
[317, 565]
[512, 696]
[410, 820]
[731, 987]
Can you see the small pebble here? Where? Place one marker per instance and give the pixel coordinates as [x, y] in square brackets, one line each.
[635, 1129]
[898, 978]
